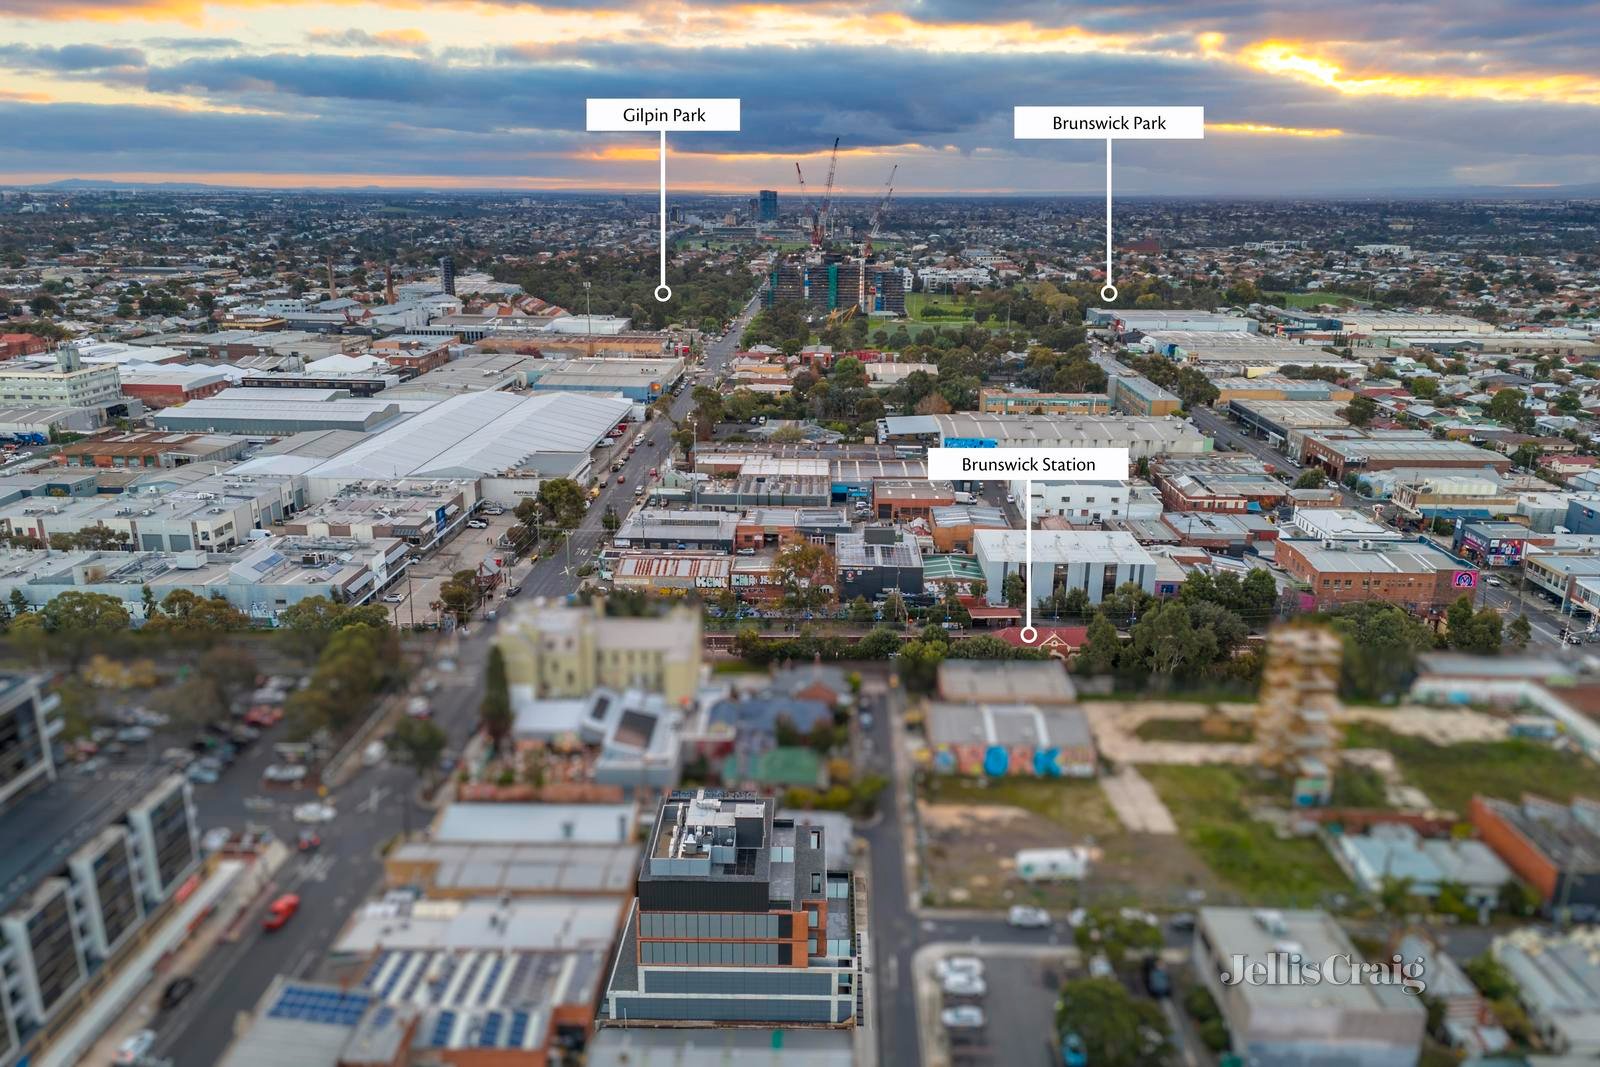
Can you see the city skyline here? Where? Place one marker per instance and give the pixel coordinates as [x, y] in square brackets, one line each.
[458, 96]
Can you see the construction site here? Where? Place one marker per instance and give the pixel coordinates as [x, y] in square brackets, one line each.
[838, 279]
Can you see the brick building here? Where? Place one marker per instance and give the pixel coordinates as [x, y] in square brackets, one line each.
[1412, 574]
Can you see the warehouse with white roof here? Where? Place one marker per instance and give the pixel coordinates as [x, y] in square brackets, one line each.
[498, 437]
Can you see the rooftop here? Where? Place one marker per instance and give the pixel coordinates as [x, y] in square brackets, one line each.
[1062, 546]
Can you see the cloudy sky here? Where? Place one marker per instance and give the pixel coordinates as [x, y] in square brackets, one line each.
[1301, 96]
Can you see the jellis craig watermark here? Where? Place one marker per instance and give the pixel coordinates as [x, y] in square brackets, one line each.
[1339, 969]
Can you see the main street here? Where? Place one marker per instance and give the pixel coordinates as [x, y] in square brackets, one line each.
[378, 802]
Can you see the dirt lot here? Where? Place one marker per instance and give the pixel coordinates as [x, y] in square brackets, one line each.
[974, 831]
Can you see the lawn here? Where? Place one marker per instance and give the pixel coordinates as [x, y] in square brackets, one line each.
[1450, 775]
[936, 308]
[1245, 854]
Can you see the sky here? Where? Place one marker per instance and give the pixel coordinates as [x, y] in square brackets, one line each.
[1300, 96]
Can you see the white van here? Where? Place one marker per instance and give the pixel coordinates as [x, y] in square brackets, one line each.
[373, 754]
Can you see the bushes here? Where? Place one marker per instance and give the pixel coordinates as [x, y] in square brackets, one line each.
[1202, 1008]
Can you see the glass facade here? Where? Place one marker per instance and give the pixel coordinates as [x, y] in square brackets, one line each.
[21, 746]
[55, 952]
[169, 826]
[710, 953]
[114, 889]
[706, 924]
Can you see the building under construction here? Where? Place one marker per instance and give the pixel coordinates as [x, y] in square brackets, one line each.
[1294, 724]
[838, 282]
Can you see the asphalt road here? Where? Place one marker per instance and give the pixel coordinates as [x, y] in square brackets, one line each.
[377, 803]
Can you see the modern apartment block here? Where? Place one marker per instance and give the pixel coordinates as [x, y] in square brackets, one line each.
[26, 762]
[737, 920]
[63, 922]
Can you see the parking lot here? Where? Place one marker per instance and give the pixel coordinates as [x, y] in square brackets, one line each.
[1019, 1005]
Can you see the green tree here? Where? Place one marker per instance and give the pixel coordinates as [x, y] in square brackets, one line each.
[611, 520]
[418, 743]
[562, 501]
[1101, 648]
[860, 611]
[495, 711]
[1166, 642]
[1116, 1028]
[880, 642]
[1360, 411]
[79, 622]
[1520, 632]
[1381, 642]
[806, 574]
[919, 664]
[1509, 407]
[1312, 478]
[1014, 589]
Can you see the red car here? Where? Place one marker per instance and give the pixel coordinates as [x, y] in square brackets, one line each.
[622, 479]
[310, 841]
[262, 716]
[281, 911]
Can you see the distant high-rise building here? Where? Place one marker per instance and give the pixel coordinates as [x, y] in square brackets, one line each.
[768, 211]
[447, 274]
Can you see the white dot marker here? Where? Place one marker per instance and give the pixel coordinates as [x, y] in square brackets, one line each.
[1029, 635]
[663, 293]
[1108, 293]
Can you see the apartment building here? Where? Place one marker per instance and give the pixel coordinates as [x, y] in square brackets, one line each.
[26, 760]
[66, 383]
[559, 650]
[737, 920]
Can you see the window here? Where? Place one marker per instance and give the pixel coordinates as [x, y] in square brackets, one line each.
[816, 839]
[811, 917]
[816, 882]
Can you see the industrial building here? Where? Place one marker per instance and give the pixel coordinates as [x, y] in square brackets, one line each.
[1221, 482]
[1142, 437]
[1080, 503]
[738, 919]
[1415, 575]
[419, 513]
[1553, 847]
[680, 529]
[1278, 387]
[1356, 450]
[643, 380]
[1095, 561]
[1363, 1024]
[997, 740]
[144, 450]
[875, 560]
[1124, 321]
[477, 435]
[1278, 420]
[294, 412]
[1035, 402]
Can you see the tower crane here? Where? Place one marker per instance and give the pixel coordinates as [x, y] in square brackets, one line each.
[878, 213]
[824, 216]
[805, 206]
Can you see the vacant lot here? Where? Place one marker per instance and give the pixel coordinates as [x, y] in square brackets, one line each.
[975, 827]
[1196, 731]
[1451, 774]
[1212, 805]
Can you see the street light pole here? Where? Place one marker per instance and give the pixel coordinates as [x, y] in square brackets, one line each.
[588, 317]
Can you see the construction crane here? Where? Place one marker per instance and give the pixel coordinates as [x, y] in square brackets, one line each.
[824, 216]
[805, 207]
[878, 213]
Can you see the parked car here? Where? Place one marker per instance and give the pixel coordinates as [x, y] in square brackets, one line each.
[1026, 917]
[202, 773]
[962, 1017]
[176, 991]
[284, 772]
[394, 598]
[964, 984]
[1157, 982]
[949, 965]
[1182, 923]
[135, 734]
[477, 524]
[1073, 1054]
[135, 1047]
[281, 911]
[314, 812]
[1100, 966]
[373, 754]
[309, 841]
[513, 590]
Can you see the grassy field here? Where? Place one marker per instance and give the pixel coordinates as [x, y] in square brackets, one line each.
[1210, 804]
[947, 308]
[1505, 769]
[975, 826]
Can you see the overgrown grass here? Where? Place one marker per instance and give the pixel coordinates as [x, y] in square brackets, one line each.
[1076, 805]
[1452, 774]
[1209, 804]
